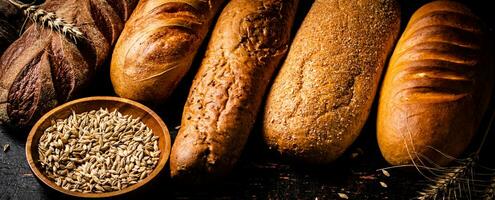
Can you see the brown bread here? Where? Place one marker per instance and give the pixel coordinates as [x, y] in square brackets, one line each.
[436, 88]
[11, 20]
[323, 93]
[249, 39]
[44, 68]
[158, 45]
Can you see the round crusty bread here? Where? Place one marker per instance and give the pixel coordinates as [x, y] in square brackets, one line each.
[323, 93]
[436, 88]
[247, 44]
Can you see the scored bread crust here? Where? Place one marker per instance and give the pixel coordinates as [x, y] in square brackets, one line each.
[11, 20]
[437, 86]
[44, 68]
[249, 40]
[323, 93]
[158, 45]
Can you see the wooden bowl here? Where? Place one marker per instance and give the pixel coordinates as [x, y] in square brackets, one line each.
[126, 107]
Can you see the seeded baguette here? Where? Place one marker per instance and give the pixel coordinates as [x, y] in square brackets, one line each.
[436, 88]
[158, 45]
[323, 93]
[44, 68]
[249, 39]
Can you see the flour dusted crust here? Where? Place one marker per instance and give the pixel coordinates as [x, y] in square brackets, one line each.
[323, 93]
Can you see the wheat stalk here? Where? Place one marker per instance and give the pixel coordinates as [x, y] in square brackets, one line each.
[49, 19]
[448, 181]
[490, 190]
[453, 179]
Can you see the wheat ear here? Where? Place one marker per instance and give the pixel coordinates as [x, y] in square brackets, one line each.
[49, 19]
[489, 193]
[449, 180]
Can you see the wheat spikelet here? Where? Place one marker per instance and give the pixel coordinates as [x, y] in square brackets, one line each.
[49, 19]
[449, 180]
[489, 193]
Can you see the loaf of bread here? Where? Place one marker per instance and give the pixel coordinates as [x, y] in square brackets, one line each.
[46, 67]
[436, 88]
[11, 20]
[249, 39]
[323, 93]
[157, 47]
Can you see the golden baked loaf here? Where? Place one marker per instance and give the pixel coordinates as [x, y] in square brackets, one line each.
[158, 45]
[436, 88]
[323, 93]
[249, 39]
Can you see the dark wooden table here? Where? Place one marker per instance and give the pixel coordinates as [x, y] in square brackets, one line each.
[260, 174]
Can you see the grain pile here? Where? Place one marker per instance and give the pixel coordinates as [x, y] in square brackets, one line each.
[98, 151]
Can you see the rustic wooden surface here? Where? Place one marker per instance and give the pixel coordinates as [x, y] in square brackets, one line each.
[260, 174]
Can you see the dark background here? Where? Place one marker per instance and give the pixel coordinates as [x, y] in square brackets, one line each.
[260, 174]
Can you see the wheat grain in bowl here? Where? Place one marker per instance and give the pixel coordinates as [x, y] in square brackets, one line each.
[98, 151]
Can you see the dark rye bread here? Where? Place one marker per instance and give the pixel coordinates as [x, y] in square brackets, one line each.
[11, 20]
[437, 86]
[323, 93]
[158, 45]
[44, 68]
[247, 44]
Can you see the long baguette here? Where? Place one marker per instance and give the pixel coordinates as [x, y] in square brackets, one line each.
[158, 45]
[250, 38]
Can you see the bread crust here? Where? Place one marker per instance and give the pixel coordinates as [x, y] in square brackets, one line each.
[158, 45]
[44, 68]
[323, 93]
[436, 88]
[11, 20]
[249, 40]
